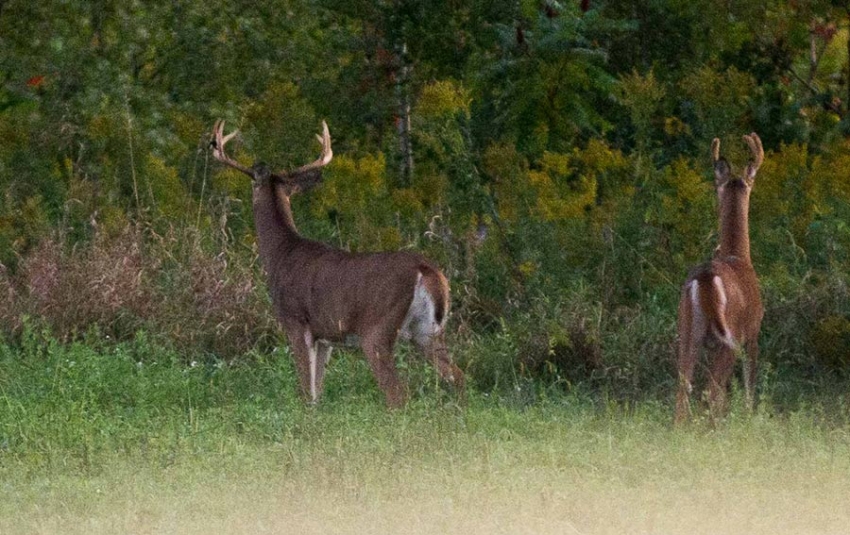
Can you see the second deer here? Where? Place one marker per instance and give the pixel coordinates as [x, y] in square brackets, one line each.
[720, 307]
[324, 296]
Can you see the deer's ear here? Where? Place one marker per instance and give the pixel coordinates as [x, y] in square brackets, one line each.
[750, 176]
[722, 172]
[757, 150]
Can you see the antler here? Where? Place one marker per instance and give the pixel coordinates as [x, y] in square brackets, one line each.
[323, 159]
[300, 178]
[756, 148]
[218, 142]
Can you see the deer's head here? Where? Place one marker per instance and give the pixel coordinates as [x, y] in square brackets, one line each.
[287, 183]
[726, 182]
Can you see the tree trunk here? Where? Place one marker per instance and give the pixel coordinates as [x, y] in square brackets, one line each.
[402, 89]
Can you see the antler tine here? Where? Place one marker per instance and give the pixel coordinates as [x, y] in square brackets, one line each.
[218, 142]
[324, 158]
[756, 148]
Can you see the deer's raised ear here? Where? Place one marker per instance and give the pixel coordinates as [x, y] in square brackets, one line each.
[754, 142]
[722, 170]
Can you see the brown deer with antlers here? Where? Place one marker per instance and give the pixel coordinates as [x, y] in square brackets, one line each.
[324, 296]
[720, 308]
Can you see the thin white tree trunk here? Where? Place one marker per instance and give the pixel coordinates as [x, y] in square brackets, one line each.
[402, 88]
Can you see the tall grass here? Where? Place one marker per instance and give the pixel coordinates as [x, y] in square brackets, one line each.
[129, 437]
[73, 405]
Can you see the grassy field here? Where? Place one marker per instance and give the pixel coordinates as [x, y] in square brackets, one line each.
[129, 439]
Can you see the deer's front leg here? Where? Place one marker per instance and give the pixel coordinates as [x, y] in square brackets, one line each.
[304, 353]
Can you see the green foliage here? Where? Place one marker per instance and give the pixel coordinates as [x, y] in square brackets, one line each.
[545, 85]
[554, 204]
[717, 101]
[281, 126]
[168, 194]
[355, 191]
[682, 209]
[560, 170]
[443, 98]
[642, 96]
[509, 176]
[831, 341]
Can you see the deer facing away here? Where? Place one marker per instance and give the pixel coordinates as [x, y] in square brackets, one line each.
[324, 296]
[720, 307]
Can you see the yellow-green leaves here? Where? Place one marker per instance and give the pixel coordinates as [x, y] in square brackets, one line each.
[355, 191]
[560, 195]
[351, 185]
[509, 172]
[443, 97]
[560, 186]
[169, 195]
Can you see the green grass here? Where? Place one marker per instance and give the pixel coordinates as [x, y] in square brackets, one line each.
[129, 439]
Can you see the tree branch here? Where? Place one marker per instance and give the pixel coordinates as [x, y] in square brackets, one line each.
[816, 92]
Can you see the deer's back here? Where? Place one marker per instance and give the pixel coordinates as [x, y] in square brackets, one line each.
[339, 293]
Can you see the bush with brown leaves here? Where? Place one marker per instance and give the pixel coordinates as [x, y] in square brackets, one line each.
[200, 302]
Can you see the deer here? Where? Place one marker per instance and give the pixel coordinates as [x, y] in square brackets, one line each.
[720, 308]
[323, 296]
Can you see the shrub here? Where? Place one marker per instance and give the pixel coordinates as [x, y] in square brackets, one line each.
[830, 337]
[96, 284]
[196, 301]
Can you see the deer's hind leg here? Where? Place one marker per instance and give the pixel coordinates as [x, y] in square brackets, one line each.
[323, 350]
[378, 347]
[722, 367]
[751, 372]
[435, 350]
[691, 336]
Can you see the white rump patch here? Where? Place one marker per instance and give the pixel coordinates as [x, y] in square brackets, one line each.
[419, 322]
[721, 291]
[693, 287]
[701, 322]
[724, 336]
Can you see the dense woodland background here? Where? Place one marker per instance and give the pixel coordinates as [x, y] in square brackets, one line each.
[551, 156]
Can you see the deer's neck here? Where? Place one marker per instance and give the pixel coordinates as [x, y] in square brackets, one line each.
[276, 232]
[735, 228]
